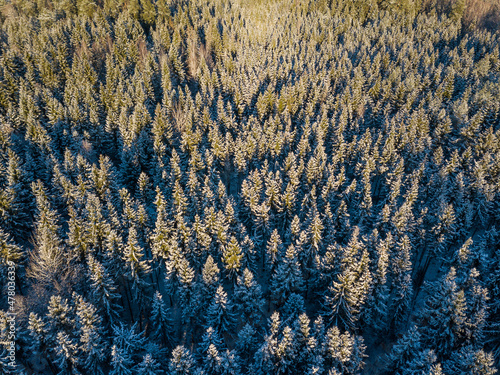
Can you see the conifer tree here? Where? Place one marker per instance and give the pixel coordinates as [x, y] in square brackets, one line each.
[220, 313]
[248, 297]
[149, 366]
[468, 360]
[246, 344]
[181, 362]
[103, 290]
[404, 351]
[444, 311]
[377, 315]
[47, 263]
[60, 323]
[346, 296]
[231, 257]
[402, 284]
[18, 195]
[39, 337]
[126, 345]
[92, 345]
[161, 320]
[344, 351]
[273, 249]
[287, 277]
[265, 355]
[121, 361]
[66, 353]
[136, 267]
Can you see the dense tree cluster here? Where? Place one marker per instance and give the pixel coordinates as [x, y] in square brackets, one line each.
[233, 187]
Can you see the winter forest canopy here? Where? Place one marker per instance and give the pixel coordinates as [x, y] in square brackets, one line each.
[250, 187]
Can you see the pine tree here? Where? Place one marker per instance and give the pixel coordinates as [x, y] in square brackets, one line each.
[17, 192]
[212, 360]
[309, 356]
[285, 352]
[187, 292]
[230, 363]
[265, 356]
[38, 336]
[274, 247]
[159, 237]
[422, 363]
[121, 361]
[210, 276]
[315, 232]
[86, 7]
[476, 297]
[293, 307]
[148, 13]
[60, 319]
[246, 344]
[210, 338]
[347, 295]
[377, 314]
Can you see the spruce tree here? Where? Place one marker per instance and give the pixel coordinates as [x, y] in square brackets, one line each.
[47, 264]
[220, 313]
[92, 345]
[288, 277]
[160, 320]
[248, 297]
[182, 362]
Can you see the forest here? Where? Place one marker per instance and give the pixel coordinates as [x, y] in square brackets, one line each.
[237, 187]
